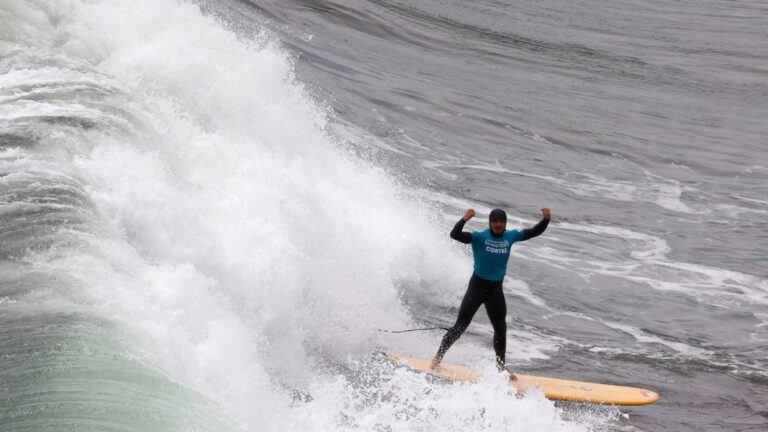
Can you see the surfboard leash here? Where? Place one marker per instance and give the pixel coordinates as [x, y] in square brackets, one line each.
[413, 330]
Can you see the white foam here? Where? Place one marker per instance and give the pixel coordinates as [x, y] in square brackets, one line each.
[644, 337]
[521, 289]
[650, 265]
[408, 401]
[665, 193]
[7, 300]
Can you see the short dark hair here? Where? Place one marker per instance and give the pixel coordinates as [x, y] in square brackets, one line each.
[497, 214]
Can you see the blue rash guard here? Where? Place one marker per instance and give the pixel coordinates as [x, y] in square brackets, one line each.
[492, 253]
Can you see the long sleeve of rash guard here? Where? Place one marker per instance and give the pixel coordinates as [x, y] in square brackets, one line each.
[465, 237]
[532, 232]
[457, 233]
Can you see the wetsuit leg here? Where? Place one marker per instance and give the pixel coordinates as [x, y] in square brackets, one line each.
[474, 297]
[496, 306]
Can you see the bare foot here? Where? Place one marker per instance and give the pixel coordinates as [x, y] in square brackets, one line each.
[434, 364]
[512, 376]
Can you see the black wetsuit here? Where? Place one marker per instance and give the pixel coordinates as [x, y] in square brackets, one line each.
[482, 291]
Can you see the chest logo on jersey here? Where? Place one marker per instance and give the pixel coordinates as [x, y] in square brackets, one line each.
[497, 247]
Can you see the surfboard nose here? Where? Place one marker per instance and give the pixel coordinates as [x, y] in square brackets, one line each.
[650, 396]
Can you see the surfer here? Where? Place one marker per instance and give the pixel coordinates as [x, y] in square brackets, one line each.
[490, 249]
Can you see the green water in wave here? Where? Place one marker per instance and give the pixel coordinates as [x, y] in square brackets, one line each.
[72, 371]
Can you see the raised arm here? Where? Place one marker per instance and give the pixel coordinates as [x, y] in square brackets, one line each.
[540, 227]
[457, 233]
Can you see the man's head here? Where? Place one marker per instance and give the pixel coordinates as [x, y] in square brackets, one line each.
[497, 221]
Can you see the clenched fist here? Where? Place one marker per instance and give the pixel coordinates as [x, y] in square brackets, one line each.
[469, 214]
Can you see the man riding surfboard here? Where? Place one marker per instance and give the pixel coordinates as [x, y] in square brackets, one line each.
[490, 250]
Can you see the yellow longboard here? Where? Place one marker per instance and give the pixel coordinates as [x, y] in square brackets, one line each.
[553, 388]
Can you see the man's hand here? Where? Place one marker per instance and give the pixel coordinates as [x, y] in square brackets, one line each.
[545, 213]
[469, 214]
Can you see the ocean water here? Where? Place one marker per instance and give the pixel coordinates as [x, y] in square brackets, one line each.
[209, 209]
